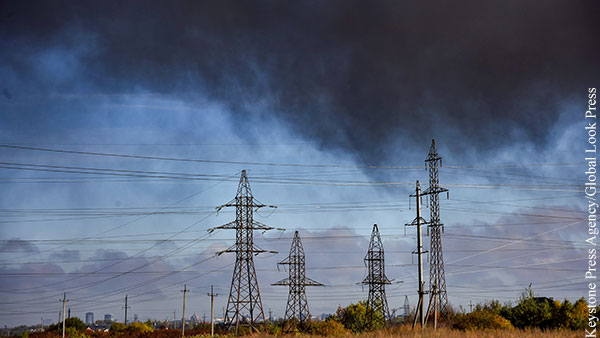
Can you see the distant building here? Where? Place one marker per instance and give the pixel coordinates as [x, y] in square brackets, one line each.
[135, 318]
[89, 318]
[109, 317]
[195, 319]
[324, 316]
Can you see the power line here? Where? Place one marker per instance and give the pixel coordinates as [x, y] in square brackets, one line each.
[146, 157]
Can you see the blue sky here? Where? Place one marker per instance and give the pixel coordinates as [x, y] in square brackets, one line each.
[332, 121]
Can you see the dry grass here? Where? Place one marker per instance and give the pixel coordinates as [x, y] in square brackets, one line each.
[404, 331]
[445, 333]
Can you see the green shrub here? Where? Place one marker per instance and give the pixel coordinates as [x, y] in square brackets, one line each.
[139, 327]
[354, 317]
[117, 327]
[481, 320]
[273, 329]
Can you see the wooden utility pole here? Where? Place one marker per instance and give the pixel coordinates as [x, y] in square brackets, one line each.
[418, 222]
[212, 311]
[64, 301]
[185, 290]
[126, 307]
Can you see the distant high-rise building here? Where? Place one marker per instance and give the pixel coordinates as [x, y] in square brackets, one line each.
[89, 318]
[109, 317]
[135, 318]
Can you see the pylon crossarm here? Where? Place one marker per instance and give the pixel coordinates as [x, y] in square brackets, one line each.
[433, 190]
[231, 203]
[375, 280]
[257, 204]
[311, 282]
[286, 261]
[231, 225]
[257, 249]
[259, 226]
[230, 249]
[284, 282]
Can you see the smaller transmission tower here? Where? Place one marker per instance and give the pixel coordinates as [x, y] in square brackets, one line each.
[437, 277]
[296, 311]
[376, 279]
[244, 306]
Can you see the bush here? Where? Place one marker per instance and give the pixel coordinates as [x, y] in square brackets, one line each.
[481, 320]
[72, 322]
[273, 329]
[328, 327]
[117, 327]
[139, 327]
[354, 317]
[531, 312]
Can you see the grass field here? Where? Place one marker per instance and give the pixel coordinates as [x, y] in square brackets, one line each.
[395, 332]
[449, 333]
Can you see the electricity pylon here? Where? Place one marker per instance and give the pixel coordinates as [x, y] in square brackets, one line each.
[244, 307]
[406, 307]
[376, 279]
[418, 222]
[296, 311]
[437, 277]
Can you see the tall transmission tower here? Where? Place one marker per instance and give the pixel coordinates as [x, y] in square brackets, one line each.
[244, 306]
[296, 311]
[376, 279]
[437, 277]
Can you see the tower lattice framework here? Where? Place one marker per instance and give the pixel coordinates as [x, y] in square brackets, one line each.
[376, 279]
[437, 276]
[296, 311]
[244, 306]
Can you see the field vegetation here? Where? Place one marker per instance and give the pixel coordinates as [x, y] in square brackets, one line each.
[530, 317]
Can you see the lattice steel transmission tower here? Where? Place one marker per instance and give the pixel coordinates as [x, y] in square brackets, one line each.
[376, 279]
[437, 277]
[244, 306]
[296, 311]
